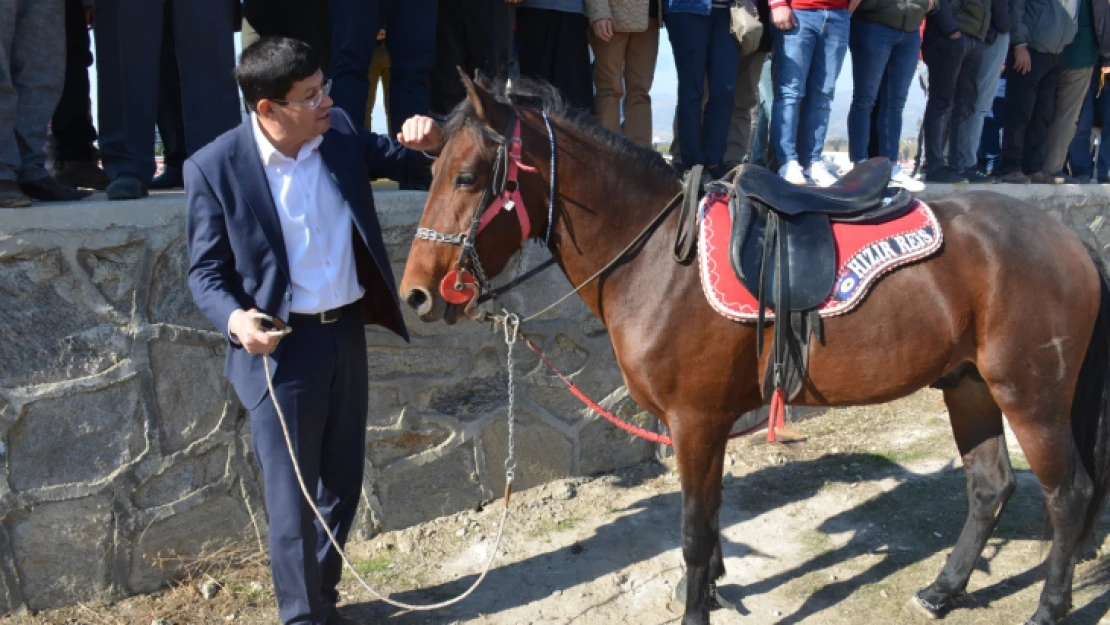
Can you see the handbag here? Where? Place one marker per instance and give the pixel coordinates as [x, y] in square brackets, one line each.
[745, 25]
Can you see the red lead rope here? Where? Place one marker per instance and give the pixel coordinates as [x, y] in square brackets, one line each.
[776, 419]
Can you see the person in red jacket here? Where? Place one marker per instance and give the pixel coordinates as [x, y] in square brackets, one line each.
[810, 39]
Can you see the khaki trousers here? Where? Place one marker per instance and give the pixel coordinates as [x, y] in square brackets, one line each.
[624, 68]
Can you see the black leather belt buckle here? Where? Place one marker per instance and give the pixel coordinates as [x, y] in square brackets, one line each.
[331, 316]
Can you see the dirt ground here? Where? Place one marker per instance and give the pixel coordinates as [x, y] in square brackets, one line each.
[840, 529]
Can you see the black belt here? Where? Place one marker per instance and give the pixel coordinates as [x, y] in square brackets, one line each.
[328, 316]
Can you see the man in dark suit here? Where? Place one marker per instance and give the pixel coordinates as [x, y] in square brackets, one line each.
[281, 221]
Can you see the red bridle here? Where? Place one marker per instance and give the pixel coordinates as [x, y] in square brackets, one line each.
[460, 286]
[510, 199]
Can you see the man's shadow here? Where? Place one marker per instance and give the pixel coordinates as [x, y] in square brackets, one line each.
[898, 526]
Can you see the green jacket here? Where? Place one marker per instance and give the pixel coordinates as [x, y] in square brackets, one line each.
[970, 17]
[903, 15]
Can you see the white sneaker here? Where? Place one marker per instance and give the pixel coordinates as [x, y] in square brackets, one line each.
[792, 173]
[819, 175]
[899, 178]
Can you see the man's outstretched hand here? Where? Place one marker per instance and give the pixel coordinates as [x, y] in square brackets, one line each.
[420, 133]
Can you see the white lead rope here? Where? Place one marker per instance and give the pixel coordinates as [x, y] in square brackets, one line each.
[510, 339]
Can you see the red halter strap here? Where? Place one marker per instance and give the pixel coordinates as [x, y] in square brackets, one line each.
[510, 199]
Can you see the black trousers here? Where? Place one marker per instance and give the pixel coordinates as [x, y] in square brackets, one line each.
[474, 35]
[170, 119]
[1030, 105]
[953, 90]
[410, 37]
[306, 20]
[321, 385]
[128, 51]
[72, 124]
[553, 46]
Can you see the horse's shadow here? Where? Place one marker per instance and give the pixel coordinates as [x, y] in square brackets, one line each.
[897, 526]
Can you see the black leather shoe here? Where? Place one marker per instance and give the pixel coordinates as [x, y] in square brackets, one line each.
[50, 190]
[126, 187]
[11, 196]
[81, 175]
[944, 175]
[170, 178]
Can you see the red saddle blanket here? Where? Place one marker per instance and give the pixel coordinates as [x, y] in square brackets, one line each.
[863, 254]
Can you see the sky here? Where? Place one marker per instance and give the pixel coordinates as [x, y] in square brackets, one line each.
[664, 91]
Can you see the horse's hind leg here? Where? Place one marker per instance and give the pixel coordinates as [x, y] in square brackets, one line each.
[977, 426]
[1047, 442]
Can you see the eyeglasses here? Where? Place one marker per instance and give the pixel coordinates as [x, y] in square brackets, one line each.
[314, 102]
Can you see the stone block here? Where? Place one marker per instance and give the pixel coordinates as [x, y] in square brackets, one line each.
[162, 548]
[385, 407]
[542, 453]
[605, 447]
[597, 378]
[113, 271]
[62, 551]
[469, 399]
[170, 300]
[387, 362]
[398, 241]
[411, 442]
[190, 391]
[76, 439]
[179, 480]
[441, 487]
[46, 334]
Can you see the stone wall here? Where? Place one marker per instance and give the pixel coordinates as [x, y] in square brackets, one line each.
[121, 444]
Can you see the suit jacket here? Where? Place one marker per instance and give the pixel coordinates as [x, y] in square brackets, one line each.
[237, 256]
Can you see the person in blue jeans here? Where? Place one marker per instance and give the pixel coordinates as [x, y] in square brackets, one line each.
[989, 150]
[1082, 161]
[761, 136]
[990, 72]
[705, 52]
[885, 42]
[811, 39]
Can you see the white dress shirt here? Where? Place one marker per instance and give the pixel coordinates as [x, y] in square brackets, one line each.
[315, 224]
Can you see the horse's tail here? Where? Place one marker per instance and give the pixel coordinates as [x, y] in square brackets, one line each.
[1090, 409]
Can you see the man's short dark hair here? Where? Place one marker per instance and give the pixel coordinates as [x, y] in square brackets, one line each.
[269, 67]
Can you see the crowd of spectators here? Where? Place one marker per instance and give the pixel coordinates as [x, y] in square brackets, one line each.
[1014, 87]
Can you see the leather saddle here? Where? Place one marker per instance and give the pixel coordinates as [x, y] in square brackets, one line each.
[781, 228]
[782, 249]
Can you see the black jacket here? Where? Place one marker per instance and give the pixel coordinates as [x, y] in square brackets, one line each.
[1100, 11]
[903, 15]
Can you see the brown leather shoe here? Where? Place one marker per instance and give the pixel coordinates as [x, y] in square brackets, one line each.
[1014, 177]
[1042, 178]
[11, 196]
[49, 190]
[81, 174]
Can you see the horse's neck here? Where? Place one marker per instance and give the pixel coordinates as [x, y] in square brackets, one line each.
[601, 210]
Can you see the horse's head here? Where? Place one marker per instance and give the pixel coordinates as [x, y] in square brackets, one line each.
[476, 217]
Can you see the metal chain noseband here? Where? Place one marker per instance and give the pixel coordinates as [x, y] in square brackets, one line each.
[438, 237]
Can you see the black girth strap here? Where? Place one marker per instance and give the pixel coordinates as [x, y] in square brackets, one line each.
[686, 240]
[789, 362]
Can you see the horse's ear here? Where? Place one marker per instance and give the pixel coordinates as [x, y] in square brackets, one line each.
[480, 98]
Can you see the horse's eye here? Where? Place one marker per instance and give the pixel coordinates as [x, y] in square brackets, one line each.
[465, 180]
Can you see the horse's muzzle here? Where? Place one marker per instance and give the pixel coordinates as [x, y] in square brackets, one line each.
[420, 300]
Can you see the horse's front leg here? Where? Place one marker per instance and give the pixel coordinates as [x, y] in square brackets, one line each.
[700, 452]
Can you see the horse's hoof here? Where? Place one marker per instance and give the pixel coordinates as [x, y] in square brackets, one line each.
[926, 608]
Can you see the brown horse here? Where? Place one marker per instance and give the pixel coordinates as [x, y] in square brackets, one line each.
[1010, 318]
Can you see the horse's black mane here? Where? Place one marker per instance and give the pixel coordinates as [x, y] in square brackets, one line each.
[525, 93]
